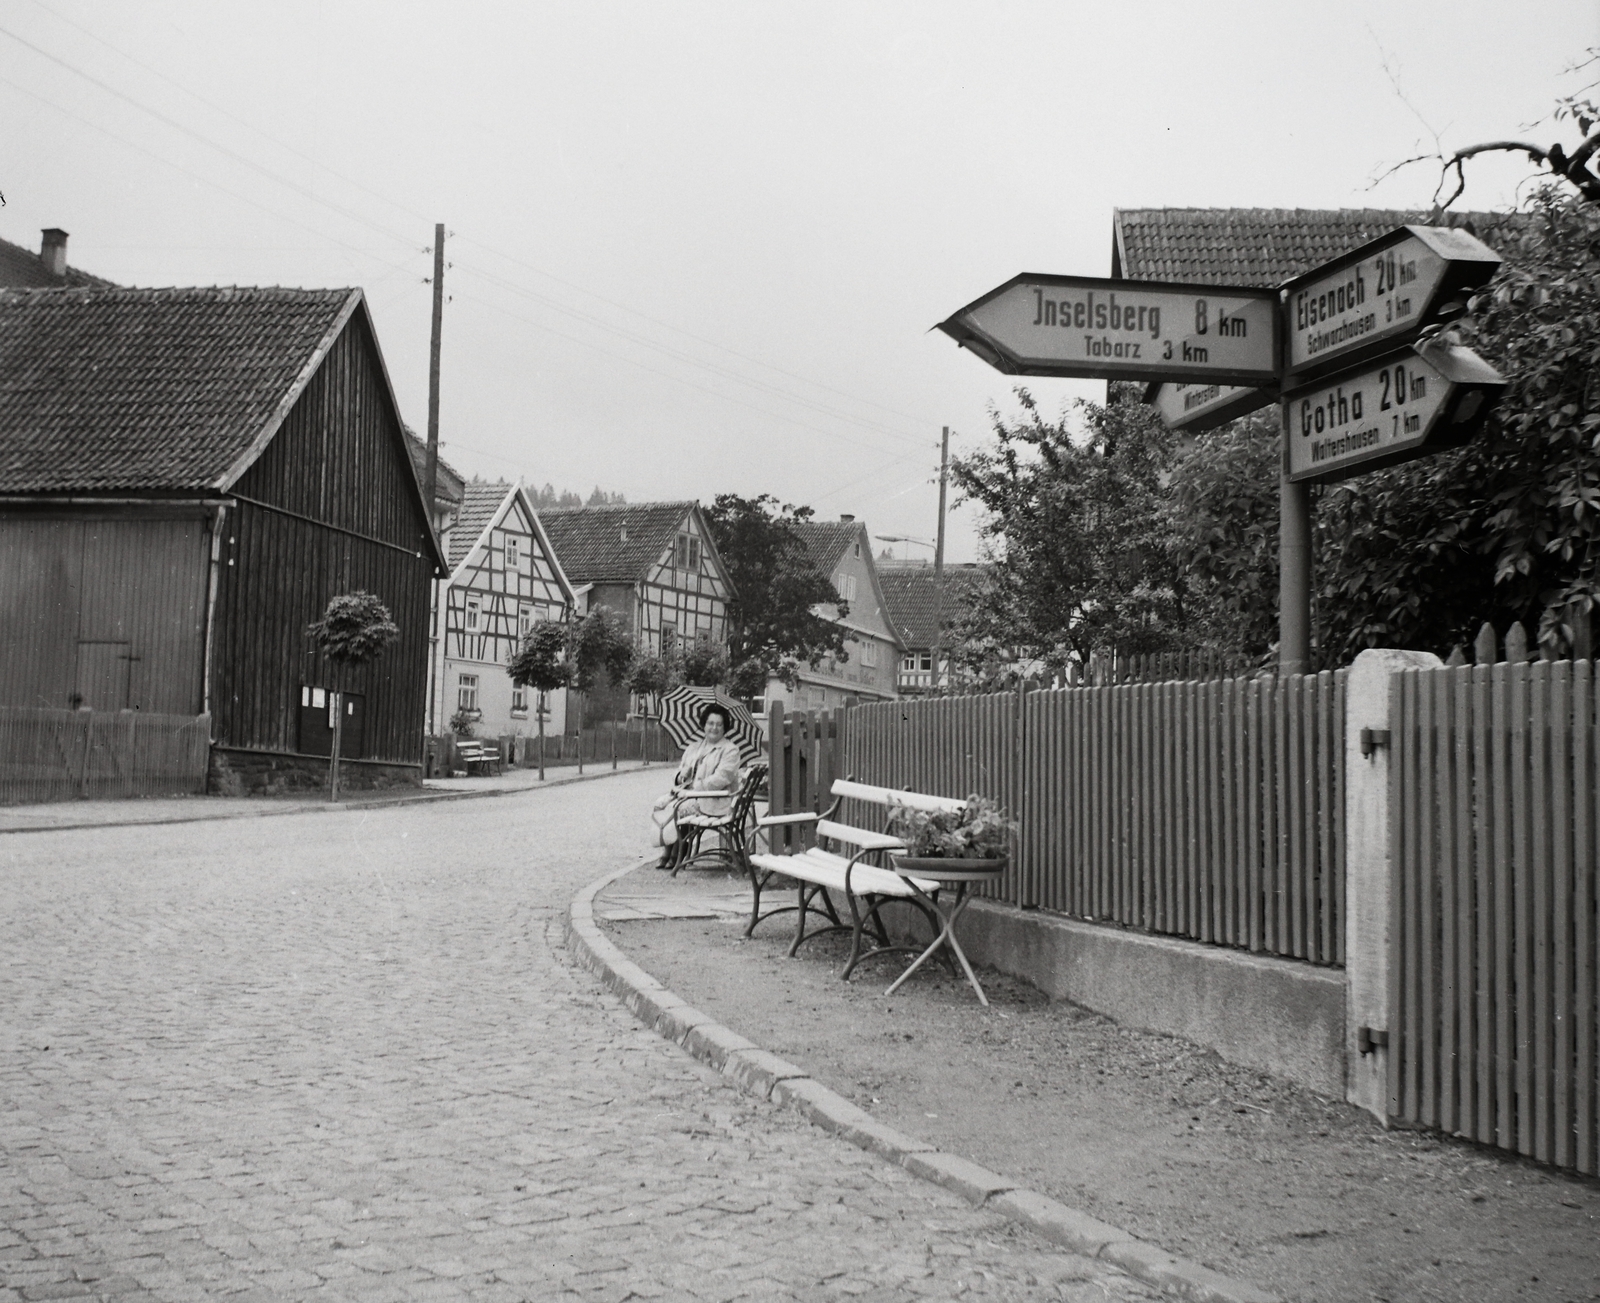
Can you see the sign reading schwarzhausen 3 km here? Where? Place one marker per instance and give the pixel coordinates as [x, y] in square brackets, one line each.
[1122, 330]
[1381, 295]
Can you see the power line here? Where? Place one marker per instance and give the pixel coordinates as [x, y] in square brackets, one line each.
[357, 217]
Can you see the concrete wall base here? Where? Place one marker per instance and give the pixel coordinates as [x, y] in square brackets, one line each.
[237, 772]
[1274, 1015]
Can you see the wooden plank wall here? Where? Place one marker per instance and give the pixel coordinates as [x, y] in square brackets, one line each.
[1213, 811]
[1496, 996]
[61, 755]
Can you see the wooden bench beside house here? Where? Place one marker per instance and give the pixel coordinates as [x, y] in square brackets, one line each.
[470, 751]
[845, 870]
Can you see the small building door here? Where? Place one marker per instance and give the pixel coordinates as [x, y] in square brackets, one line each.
[316, 723]
[104, 673]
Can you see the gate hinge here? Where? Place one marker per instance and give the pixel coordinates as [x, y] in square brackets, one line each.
[1372, 739]
[1370, 1038]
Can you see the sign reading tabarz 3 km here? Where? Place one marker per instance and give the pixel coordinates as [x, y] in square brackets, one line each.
[1044, 325]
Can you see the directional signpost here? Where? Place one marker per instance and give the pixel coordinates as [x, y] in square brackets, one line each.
[1339, 343]
[1378, 297]
[1196, 408]
[1402, 406]
[1123, 330]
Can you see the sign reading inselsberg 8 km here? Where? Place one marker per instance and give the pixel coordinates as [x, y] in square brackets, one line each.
[1379, 295]
[1042, 325]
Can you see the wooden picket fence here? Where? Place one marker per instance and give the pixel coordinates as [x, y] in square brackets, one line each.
[63, 755]
[1208, 810]
[1496, 975]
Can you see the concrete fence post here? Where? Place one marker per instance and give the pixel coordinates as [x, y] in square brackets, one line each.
[1369, 869]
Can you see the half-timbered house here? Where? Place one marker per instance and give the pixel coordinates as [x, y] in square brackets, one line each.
[504, 578]
[869, 669]
[187, 476]
[654, 566]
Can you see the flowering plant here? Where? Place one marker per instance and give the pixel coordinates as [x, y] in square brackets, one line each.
[978, 831]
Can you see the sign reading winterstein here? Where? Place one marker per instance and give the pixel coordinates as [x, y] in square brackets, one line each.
[1380, 296]
[1405, 405]
[1197, 408]
[1038, 325]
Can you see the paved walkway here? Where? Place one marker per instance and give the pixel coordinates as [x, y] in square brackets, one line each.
[330, 1058]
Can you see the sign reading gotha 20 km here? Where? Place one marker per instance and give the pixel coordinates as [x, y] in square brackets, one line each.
[1406, 405]
[1042, 325]
[1380, 296]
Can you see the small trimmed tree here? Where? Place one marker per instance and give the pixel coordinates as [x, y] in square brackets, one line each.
[540, 663]
[354, 630]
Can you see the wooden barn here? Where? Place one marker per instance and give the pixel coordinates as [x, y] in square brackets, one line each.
[186, 477]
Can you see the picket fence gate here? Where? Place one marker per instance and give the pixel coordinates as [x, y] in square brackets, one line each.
[1493, 1030]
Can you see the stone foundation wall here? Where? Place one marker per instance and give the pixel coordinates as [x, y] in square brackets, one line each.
[235, 772]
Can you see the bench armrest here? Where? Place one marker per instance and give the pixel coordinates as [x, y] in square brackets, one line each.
[721, 794]
[867, 841]
[770, 820]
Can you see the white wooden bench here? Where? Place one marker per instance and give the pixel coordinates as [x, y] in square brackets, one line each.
[818, 871]
[470, 751]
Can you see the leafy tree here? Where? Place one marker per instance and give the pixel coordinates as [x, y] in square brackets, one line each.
[540, 663]
[354, 630]
[704, 664]
[775, 624]
[596, 645]
[1074, 532]
[651, 677]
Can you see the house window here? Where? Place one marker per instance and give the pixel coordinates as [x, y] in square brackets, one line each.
[688, 552]
[669, 636]
[869, 652]
[519, 700]
[467, 692]
[847, 590]
[524, 620]
[474, 614]
[856, 548]
[925, 660]
[513, 553]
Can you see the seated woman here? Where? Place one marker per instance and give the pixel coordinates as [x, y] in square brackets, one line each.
[710, 764]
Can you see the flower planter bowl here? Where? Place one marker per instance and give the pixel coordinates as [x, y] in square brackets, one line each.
[948, 868]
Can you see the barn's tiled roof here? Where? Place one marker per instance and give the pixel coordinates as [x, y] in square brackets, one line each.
[615, 543]
[1261, 246]
[827, 540]
[24, 269]
[480, 499]
[909, 592]
[148, 391]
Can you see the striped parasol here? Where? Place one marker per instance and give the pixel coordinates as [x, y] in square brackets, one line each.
[680, 717]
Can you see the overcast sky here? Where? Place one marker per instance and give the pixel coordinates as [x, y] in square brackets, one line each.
[696, 248]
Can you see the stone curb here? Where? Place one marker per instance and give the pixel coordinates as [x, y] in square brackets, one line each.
[765, 1074]
[344, 807]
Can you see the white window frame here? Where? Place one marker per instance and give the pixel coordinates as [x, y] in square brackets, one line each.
[519, 699]
[869, 652]
[848, 591]
[467, 692]
[474, 616]
[513, 552]
[524, 619]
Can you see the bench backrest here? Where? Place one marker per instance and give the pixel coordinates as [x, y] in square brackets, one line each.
[893, 796]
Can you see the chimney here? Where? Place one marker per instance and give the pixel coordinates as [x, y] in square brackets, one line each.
[53, 250]
[846, 519]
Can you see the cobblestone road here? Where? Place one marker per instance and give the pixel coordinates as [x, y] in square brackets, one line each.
[347, 1056]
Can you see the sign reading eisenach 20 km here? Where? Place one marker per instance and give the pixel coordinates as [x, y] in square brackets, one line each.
[1403, 406]
[1122, 330]
[1380, 295]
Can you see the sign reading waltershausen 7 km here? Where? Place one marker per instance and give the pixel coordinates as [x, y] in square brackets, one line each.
[1380, 296]
[1401, 406]
[1122, 330]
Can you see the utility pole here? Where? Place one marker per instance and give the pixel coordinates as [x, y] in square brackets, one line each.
[432, 477]
[938, 559]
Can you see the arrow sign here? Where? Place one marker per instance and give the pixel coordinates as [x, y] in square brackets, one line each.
[1405, 405]
[1197, 408]
[1041, 325]
[1380, 296]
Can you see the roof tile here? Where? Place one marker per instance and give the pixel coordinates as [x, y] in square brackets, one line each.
[1263, 246]
[138, 390]
[617, 543]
